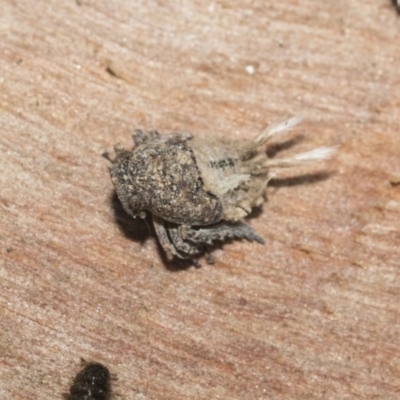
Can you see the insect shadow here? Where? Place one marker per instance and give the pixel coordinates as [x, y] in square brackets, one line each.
[136, 229]
[304, 179]
[275, 148]
[139, 230]
[177, 264]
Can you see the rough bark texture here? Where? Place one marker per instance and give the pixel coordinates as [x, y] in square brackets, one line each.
[313, 314]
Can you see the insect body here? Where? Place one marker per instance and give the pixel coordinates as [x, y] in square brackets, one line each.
[91, 383]
[197, 191]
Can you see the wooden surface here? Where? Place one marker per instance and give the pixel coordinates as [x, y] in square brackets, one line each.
[313, 314]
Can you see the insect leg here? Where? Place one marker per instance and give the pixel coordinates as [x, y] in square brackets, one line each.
[222, 230]
[189, 249]
[165, 241]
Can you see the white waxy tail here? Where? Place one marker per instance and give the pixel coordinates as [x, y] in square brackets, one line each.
[319, 154]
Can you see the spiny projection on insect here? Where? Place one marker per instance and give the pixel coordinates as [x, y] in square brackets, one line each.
[198, 191]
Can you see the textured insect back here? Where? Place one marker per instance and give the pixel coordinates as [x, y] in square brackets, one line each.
[198, 191]
[160, 176]
[91, 383]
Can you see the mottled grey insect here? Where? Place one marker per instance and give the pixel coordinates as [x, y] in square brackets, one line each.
[91, 383]
[198, 191]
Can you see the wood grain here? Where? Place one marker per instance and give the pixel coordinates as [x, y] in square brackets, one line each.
[313, 314]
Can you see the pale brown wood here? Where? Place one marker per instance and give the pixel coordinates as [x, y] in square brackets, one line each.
[313, 314]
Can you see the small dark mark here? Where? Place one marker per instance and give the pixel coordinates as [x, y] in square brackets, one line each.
[111, 71]
[222, 164]
[91, 383]
[121, 70]
[242, 301]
